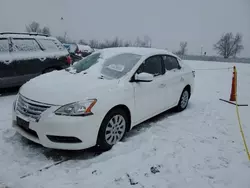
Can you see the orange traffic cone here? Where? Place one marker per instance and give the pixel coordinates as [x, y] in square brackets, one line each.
[233, 95]
[234, 86]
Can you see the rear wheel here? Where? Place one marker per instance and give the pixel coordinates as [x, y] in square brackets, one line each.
[112, 130]
[183, 102]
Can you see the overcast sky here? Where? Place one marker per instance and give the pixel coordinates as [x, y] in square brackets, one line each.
[167, 22]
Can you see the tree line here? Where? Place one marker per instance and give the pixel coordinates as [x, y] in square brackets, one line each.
[116, 42]
[229, 45]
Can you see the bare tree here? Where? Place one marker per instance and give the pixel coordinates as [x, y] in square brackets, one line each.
[33, 27]
[94, 43]
[117, 42]
[127, 44]
[183, 48]
[64, 39]
[83, 42]
[146, 42]
[46, 31]
[61, 39]
[228, 45]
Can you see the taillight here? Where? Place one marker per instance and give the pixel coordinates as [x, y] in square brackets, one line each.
[69, 60]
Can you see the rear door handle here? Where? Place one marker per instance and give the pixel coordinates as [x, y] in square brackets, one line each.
[182, 79]
[7, 61]
[162, 85]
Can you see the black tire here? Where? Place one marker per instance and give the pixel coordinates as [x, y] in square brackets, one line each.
[185, 95]
[102, 144]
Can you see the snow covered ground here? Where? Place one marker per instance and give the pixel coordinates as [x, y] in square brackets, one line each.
[200, 147]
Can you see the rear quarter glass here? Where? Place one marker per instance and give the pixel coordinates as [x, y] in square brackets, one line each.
[4, 45]
[51, 45]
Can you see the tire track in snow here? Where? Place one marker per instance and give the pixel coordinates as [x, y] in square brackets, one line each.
[45, 168]
[74, 155]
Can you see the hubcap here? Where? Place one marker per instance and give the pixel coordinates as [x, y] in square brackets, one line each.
[184, 99]
[115, 129]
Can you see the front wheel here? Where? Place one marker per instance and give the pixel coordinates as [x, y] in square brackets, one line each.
[112, 130]
[183, 102]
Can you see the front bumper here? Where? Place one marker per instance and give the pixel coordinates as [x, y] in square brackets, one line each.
[69, 133]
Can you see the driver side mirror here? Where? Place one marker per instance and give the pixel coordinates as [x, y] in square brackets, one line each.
[143, 77]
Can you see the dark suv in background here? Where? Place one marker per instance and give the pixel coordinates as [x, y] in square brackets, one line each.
[26, 55]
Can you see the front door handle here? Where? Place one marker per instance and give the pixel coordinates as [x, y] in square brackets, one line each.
[42, 58]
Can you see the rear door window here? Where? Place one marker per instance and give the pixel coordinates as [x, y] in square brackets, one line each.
[153, 65]
[4, 45]
[25, 45]
[50, 45]
[171, 63]
[174, 62]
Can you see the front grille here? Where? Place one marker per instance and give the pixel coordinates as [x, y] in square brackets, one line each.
[30, 108]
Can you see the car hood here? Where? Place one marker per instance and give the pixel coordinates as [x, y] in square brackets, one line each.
[62, 87]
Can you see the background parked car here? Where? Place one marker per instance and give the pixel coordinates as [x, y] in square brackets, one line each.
[79, 49]
[26, 55]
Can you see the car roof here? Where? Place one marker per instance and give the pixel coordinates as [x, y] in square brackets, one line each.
[84, 47]
[137, 50]
[26, 35]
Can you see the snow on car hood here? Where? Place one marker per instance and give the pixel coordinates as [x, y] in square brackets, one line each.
[62, 87]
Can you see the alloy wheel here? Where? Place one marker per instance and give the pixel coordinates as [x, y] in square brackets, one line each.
[184, 99]
[115, 129]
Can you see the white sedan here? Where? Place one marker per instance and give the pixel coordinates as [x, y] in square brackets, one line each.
[98, 99]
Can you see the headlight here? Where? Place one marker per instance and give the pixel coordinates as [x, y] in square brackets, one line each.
[77, 108]
[15, 102]
[14, 105]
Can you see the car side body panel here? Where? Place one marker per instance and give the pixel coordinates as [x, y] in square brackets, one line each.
[16, 68]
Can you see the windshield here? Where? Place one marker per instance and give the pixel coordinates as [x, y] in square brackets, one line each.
[113, 67]
[85, 63]
[119, 65]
